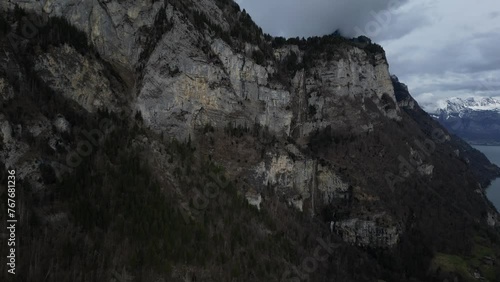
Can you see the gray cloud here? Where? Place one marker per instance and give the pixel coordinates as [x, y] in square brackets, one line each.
[440, 48]
[301, 18]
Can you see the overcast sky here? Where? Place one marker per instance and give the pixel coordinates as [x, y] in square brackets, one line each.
[440, 48]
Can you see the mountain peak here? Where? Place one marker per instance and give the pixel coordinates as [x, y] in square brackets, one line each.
[475, 118]
[457, 105]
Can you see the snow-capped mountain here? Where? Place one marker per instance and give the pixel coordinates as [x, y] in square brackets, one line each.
[475, 119]
[457, 105]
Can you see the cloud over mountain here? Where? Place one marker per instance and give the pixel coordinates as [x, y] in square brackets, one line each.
[445, 48]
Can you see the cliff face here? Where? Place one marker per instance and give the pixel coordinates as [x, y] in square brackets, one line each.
[308, 131]
[191, 71]
[115, 27]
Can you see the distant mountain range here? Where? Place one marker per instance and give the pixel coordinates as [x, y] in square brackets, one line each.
[475, 119]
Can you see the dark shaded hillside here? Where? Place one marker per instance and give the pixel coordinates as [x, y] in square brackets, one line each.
[479, 164]
[477, 127]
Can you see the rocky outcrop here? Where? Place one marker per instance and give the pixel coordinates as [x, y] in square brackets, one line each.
[77, 77]
[367, 233]
[239, 90]
[114, 27]
[185, 85]
[6, 90]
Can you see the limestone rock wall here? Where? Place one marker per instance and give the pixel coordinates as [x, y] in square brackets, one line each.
[77, 77]
[192, 78]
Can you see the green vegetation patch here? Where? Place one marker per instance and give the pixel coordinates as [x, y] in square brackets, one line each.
[451, 264]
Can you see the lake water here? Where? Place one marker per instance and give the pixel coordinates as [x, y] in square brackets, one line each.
[493, 192]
